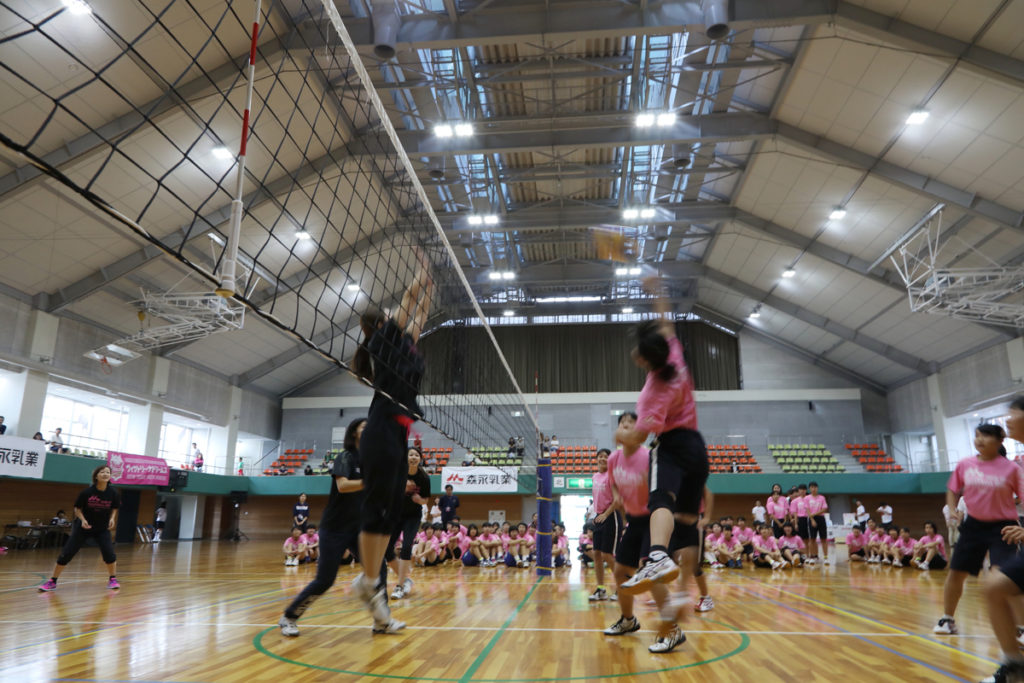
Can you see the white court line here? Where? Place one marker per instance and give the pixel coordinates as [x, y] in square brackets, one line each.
[525, 629]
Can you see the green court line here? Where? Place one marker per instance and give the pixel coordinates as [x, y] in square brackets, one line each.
[490, 646]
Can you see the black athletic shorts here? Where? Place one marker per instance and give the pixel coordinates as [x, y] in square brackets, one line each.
[1014, 570]
[607, 533]
[777, 528]
[635, 541]
[979, 538]
[385, 471]
[679, 467]
[820, 531]
[939, 562]
[858, 553]
[803, 528]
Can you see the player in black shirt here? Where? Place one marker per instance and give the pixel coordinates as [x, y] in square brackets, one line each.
[417, 494]
[388, 357]
[339, 526]
[300, 513]
[95, 517]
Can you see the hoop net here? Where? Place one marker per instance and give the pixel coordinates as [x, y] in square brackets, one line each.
[334, 210]
[987, 292]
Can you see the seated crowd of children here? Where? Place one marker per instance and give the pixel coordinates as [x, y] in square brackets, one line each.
[897, 547]
[487, 545]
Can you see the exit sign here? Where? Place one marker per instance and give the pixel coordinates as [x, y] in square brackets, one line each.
[579, 483]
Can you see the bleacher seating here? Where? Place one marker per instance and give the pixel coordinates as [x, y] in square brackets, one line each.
[292, 459]
[574, 460]
[873, 458]
[805, 458]
[436, 458]
[722, 456]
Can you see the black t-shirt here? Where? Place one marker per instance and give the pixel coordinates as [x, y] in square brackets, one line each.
[448, 507]
[343, 508]
[96, 506]
[397, 370]
[301, 511]
[410, 508]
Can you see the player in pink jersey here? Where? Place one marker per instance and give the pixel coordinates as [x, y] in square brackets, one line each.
[427, 553]
[527, 543]
[876, 537]
[711, 539]
[628, 469]
[856, 545]
[817, 511]
[312, 541]
[1003, 588]
[988, 483]
[904, 548]
[791, 546]
[766, 549]
[679, 465]
[888, 545]
[746, 536]
[729, 549]
[294, 548]
[607, 525]
[798, 515]
[930, 552]
[560, 547]
[778, 509]
[514, 558]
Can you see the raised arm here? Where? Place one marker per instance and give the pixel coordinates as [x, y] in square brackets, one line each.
[415, 307]
[656, 288]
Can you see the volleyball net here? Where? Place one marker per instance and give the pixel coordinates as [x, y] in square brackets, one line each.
[142, 125]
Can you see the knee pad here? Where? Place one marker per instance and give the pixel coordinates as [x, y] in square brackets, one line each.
[661, 499]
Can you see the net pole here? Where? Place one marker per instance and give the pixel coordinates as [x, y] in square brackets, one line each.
[228, 286]
[544, 501]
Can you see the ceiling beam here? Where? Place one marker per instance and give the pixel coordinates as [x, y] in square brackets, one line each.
[584, 272]
[552, 217]
[915, 363]
[780, 343]
[901, 33]
[543, 23]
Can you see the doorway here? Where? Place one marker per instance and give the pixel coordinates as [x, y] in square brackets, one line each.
[574, 514]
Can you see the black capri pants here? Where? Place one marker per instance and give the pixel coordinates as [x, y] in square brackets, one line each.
[385, 470]
[79, 537]
[679, 470]
[408, 528]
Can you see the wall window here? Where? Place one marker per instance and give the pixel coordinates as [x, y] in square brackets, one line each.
[85, 426]
[176, 444]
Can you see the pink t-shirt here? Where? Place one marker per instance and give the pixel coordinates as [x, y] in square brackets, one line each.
[629, 475]
[792, 542]
[798, 506]
[940, 548]
[765, 545]
[664, 406]
[505, 538]
[730, 544]
[562, 542]
[528, 537]
[292, 544]
[490, 538]
[816, 505]
[602, 491]
[988, 487]
[310, 539]
[890, 542]
[464, 541]
[746, 534]
[855, 542]
[778, 508]
[712, 539]
[878, 536]
[905, 546]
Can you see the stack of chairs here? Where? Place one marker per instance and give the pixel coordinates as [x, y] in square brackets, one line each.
[805, 457]
[873, 458]
[293, 458]
[496, 456]
[722, 456]
[435, 458]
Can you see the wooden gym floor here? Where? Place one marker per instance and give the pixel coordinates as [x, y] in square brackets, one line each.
[208, 612]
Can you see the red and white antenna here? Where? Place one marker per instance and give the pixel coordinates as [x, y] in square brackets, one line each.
[229, 265]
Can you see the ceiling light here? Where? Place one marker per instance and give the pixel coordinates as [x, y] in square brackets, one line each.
[508, 275]
[754, 314]
[463, 129]
[491, 219]
[508, 314]
[647, 213]
[645, 120]
[788, 272]
[622, 271]
[302, 235]
[666, 118]
[476, 220]
[917, 117]
[443, 131]
[77, 6]
[494, 275]
[216, 238]
[838, 214]
[635, 271]
[567, 299]
[222, 153]
[630, 214]
[352, 288]
[627, 309]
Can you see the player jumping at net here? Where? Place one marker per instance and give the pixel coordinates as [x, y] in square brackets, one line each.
[389, 358]
[678, 466]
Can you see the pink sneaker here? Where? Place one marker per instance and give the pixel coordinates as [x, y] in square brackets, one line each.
[48, 585]
[113, 584]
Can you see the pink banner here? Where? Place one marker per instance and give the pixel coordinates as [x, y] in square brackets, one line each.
[141, 470]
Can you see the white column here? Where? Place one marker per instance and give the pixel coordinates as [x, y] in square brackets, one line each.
[144, 423]
[224, 440]
[954, 437]
[1015, 352]
[31, 386]
[191, 525]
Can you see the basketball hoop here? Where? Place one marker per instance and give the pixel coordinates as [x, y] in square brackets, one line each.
[105, 366]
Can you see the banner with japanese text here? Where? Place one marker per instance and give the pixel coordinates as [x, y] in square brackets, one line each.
[20, 457]
[140, 470]
[481, 479]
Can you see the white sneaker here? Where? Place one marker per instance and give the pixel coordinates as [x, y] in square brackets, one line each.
[622, 627]
[717, 565]
[398, 593]
[375, 599]
[946, 627]
[775, 564]
[826, 561]
[705, 604]
[407, 587]
[662, 570]
[288, 627]
[668, 643]
[897, 563]
[389, 626]
[599, 595]
[887, 561]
